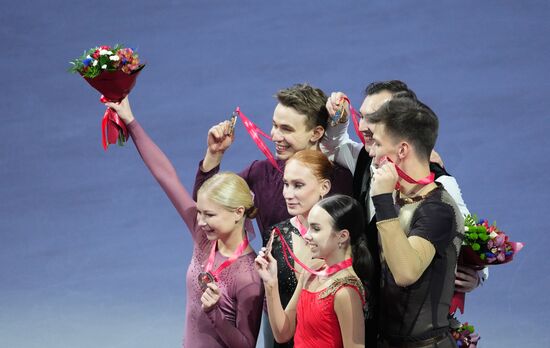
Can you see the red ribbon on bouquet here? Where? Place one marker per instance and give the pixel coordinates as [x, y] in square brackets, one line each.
[255, 133]
[114, 86]
[113, 129]
[323, 273]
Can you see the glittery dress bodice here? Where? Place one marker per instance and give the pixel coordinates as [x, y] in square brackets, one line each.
[287, 278]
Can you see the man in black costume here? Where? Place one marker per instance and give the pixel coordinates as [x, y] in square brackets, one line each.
[420, 229]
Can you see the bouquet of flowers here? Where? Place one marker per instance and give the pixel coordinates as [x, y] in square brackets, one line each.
[112, 71]
[464, 334]
[483, 245]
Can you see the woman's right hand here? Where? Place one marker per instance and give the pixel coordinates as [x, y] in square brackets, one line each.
[122, 109]
[220, 137]
[266, 266]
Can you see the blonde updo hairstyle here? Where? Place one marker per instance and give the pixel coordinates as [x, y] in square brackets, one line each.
[231, 192]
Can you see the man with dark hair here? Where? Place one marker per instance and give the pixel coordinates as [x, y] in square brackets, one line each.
[420, 244]
[355, 156]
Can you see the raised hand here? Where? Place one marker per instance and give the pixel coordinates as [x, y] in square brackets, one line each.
[384, 179]
[335, 103]
[220, 137]
[266, 266]
[122, 109]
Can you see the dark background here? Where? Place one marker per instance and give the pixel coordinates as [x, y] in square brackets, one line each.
[92, 254]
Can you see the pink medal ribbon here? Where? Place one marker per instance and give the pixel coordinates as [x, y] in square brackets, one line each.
[355, 116]
[208, 275]
[255, 133]
[323, 273]
[301, 228]
[113, 128]
[424, 181]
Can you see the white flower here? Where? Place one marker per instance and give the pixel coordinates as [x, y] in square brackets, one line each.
[88, 57]
[104, 52]
[94, 63]
[104, 66]
[114, 58]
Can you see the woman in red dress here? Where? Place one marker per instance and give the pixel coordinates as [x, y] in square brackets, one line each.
[326, 309]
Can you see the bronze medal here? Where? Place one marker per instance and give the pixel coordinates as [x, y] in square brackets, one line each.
[204, 279]
[269, 244]
[232, 123]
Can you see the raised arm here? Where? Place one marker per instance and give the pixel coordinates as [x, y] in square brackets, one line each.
[283, 321]
[407, 257]
[220, 137]
[336, 143]
[159, 165]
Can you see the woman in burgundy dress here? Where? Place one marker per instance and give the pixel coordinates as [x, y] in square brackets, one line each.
[224, 292]
[326, 309]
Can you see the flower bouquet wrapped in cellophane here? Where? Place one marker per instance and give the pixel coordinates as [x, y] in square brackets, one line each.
[112, 71]
[483, 245]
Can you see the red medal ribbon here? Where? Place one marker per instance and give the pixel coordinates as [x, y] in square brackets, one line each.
[324, 273]
[424, 181]
[355, 116]
[113, 128]
[255, 133]
[301, 228]
[226, 263]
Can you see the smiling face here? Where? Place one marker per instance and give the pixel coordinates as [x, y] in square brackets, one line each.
[214, 219]
[302, 189]
[372, 103]
[321, 237]
[290, 133]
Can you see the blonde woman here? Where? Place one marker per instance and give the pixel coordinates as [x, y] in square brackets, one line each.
[224, 292]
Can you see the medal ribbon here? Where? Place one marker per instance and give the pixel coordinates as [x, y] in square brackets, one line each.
[255, 133]
[424, 181]
[301, 228]
[324, 273]
[112, 127]
[226, 263]
[355, 116]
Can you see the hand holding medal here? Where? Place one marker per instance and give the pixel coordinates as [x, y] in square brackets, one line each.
[265, 264]
[221, 136]
[337, 107]
[210, 297]
[386, 177]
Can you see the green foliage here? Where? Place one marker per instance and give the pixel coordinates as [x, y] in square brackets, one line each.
[89, 66]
